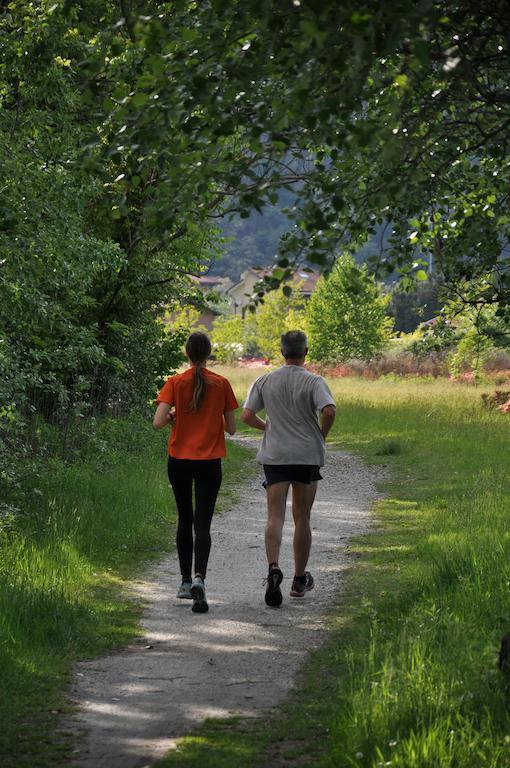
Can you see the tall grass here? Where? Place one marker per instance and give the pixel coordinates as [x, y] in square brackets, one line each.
[63, 567]
[420, 685]
[428, 601]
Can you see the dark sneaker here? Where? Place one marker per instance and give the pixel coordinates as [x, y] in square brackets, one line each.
[301, 586]
[198, 595]
[273, 596]
[184, 591]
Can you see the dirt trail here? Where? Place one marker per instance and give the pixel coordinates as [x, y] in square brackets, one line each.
[241, 657]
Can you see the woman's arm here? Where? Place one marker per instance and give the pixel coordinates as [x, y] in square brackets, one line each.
[230, 422]
[162, 417]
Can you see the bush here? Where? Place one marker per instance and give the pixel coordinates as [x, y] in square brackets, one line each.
[498, 361]
[390, 364]
[470, 356]
[228, 337]
[346, 315]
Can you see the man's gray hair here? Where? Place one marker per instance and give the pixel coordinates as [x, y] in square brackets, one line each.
[294, 344]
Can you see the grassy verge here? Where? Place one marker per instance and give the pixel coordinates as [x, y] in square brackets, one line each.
[63, 567]
[409, 676]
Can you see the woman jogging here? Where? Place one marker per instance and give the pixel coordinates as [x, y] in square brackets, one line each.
[200, 405]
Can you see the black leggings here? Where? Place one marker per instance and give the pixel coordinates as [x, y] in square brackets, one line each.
[207, 477]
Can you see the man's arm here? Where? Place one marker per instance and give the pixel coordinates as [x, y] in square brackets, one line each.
[328, 414]
[251, 418]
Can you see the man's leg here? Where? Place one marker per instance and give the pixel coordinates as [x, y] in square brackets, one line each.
[276, 502]
[303, 495]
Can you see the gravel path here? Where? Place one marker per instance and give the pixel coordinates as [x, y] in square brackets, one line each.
[134, 704]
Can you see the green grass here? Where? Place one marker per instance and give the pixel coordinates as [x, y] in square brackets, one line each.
[423, 688]
[63, 567]
[409, 677]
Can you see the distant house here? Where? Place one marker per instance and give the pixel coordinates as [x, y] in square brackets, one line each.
[206, 284]
[242, 291]
[208, 313]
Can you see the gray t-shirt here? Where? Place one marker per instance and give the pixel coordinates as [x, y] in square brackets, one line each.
[292, 398]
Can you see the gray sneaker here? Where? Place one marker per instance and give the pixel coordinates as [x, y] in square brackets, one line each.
[198, 595]
[301, 587]
[184, 591]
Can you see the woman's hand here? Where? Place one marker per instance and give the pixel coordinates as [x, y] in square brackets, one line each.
[165, 415]
[229, 422]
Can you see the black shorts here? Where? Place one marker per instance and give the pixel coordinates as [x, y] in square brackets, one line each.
[291, 473]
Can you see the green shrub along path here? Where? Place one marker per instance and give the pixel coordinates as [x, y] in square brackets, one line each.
[409, 677]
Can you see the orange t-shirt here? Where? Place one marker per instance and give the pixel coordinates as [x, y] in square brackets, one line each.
[199, 434]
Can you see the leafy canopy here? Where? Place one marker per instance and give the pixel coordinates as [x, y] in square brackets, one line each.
[391, 113]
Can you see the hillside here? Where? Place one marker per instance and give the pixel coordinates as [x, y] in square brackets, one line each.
[254, 241]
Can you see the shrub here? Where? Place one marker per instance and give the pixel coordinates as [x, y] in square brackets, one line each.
[496, 400]
[346, 315]
[390, 364]
[470, 356]
[281, 311]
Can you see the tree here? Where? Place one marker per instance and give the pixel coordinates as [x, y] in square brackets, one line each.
[228, 337]
[82, 287]
[389, 112]
[346, 315]
[129, 128]
[281, 311]
[410, 308]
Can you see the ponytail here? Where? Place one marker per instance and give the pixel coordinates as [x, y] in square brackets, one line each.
[199, 391]
[198, 349]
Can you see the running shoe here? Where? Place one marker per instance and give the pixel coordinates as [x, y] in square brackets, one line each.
[300, 587]
[198, 595]
[184, 591]
[273, 596]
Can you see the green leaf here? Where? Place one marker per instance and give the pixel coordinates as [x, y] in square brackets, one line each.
[402, 81]
[189, 35]
[358, 17]
[139, 99]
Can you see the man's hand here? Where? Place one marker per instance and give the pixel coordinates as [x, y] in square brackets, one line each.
[251, 418]
[327, 419]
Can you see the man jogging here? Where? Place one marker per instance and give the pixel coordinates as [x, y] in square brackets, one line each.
[300, 412]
